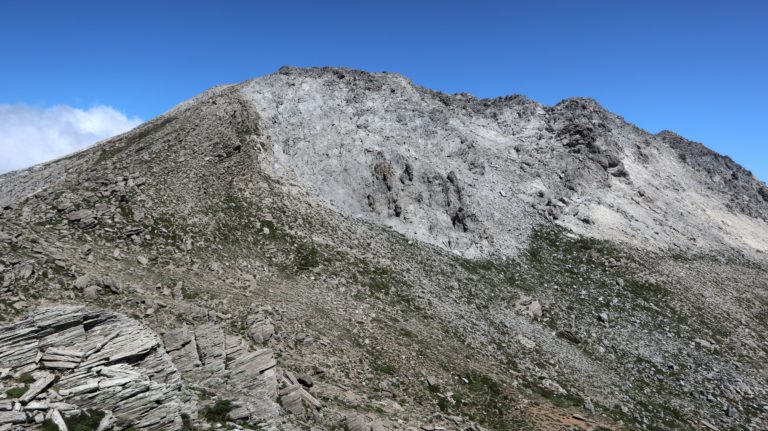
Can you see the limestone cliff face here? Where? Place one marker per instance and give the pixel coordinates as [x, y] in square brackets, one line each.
[475, 176]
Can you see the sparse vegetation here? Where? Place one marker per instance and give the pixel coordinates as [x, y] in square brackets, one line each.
[379, 365]
[26, 378]
[306, 256]
[86, 421]
[480, 398]
[218, 411]
[116, 147]
[16, 392]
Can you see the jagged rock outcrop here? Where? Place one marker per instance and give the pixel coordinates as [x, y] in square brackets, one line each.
[82, 359]
[722, 174]
[224, 364]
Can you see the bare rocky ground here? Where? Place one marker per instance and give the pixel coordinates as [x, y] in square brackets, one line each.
[333, 249]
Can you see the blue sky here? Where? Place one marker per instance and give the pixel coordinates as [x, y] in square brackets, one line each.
[699, 68]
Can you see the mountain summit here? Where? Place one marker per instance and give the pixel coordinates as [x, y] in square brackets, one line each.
[326, 248]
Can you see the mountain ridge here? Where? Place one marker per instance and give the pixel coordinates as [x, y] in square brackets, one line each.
[584, 136]
[408, 259]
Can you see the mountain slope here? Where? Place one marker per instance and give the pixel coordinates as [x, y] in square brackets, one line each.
[423, 259]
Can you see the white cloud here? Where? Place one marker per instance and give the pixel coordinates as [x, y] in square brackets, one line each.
[30, 135]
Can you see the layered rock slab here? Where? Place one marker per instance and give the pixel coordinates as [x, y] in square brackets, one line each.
[225, 365]
[85, 359]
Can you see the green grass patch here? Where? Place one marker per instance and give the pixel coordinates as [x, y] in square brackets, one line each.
[306, 256]
[189, 294]
[17, 391]
[646, 290]
[382, 367]
[27, 378]
[219, 411]
[567, 401]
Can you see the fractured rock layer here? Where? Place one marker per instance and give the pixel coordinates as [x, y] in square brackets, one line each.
[100, 360]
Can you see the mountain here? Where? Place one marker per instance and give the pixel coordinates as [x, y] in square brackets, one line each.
[328, 248]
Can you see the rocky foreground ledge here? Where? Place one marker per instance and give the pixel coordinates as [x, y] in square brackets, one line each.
[70, 365]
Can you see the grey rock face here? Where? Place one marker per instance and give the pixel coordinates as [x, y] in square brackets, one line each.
[474, 176]
[722, 174]
[225, 365]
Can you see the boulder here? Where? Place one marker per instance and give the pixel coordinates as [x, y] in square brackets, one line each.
[356, 423]
[78, 215]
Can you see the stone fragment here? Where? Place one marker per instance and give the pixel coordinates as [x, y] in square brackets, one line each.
[57, 419]
[525, 342]
[261, 332]
[290, 398]
[107, 422]
[112, 284]
[63, 204]
[704, 344]
[91, 292]
[37, 405]
[309, 399]
[588, 406]
[210, 345]
[356, 422]
[432, 382]
[42, 380]
[552, 386]
[82, 282]
[80, 215]
[12, 417]
[529, 307]
[569, 335]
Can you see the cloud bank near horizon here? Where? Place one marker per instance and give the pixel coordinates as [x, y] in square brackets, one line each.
[31, 135]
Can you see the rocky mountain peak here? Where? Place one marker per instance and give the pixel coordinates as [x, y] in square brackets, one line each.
[341, 132]
[326, 248]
